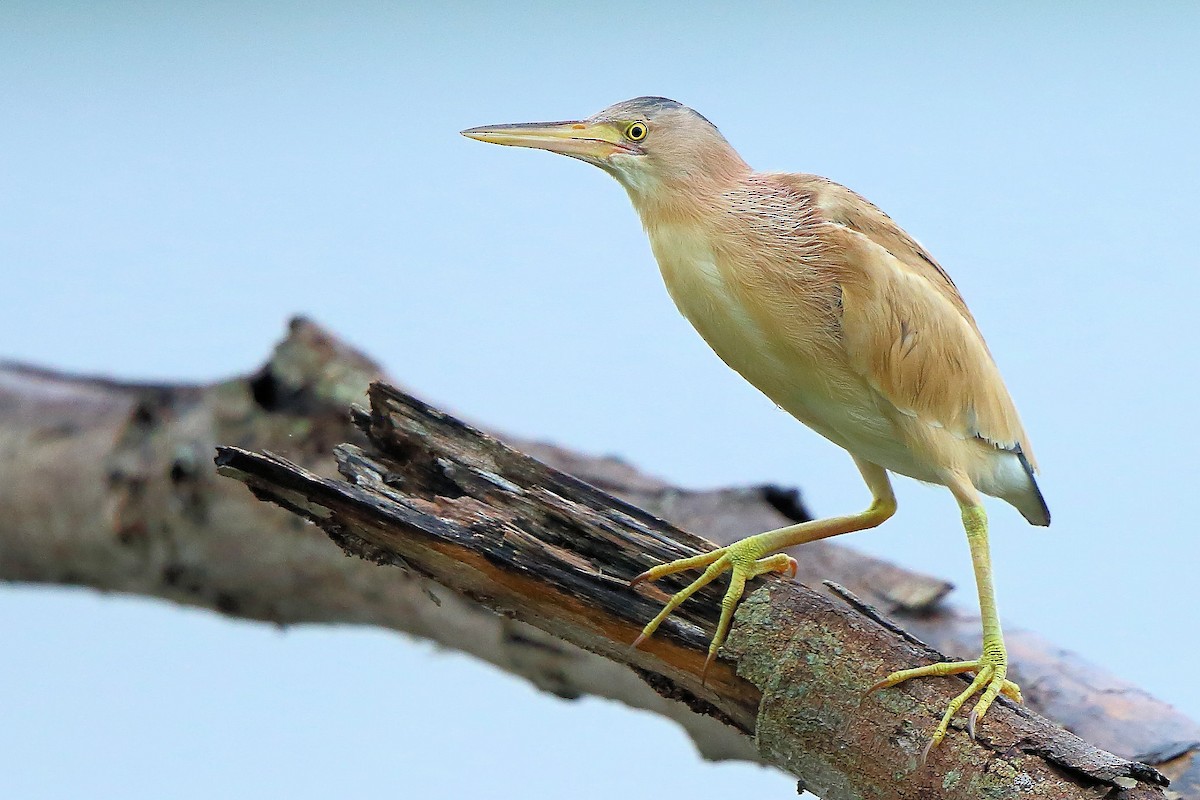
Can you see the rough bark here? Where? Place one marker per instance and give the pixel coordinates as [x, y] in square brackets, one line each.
[108, 485]
[436, 498]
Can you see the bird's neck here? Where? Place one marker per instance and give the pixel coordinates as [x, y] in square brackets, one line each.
[683, 186]
[684, 199]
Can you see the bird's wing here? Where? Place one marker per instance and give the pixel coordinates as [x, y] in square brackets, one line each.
[907, 329]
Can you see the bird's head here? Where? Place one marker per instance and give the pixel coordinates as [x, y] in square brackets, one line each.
[652, 145]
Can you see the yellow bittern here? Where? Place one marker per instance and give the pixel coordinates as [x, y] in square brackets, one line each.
[824, 304]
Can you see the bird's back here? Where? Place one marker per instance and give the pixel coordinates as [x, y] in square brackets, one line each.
[827, 306]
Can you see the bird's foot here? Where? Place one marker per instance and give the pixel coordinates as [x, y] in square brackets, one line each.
[990, 670]
[746, 559]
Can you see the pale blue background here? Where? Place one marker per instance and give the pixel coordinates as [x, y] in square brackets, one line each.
[175, 181]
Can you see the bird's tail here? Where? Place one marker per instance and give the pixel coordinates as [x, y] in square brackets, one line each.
[1030, 503]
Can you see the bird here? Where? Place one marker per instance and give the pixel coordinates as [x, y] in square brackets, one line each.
[830, 309]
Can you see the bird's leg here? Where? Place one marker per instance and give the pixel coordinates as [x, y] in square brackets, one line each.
[752, 556]
[991, 668]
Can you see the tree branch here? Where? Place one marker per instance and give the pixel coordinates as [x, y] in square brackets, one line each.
[106, 484]
[439, 499]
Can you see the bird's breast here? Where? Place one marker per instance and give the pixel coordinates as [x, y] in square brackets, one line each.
[764, 323]
[703, 291]
[736, 321]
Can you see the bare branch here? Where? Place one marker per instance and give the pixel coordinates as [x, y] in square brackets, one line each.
[437, 498]
[109, 485]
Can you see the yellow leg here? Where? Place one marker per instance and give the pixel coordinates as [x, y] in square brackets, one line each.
[750, 557]
[991, 668]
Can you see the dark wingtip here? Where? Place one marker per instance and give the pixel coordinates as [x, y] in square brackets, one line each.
[1041, 519]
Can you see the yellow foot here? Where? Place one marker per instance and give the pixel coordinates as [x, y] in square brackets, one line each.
[744, 558]
[990, 670]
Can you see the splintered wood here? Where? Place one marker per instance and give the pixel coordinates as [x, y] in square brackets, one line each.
[432, 496]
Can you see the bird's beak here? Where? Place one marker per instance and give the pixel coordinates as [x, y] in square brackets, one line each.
[591, 141]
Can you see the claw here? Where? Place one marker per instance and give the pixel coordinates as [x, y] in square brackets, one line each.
[876, 686]
[989, 682]
[745, 560]
[925, 752]
[639, 579]
[707, 663]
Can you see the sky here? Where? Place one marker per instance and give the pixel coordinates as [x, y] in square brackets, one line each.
[176, 180]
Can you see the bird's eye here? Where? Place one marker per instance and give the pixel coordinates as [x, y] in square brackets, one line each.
[636, 131]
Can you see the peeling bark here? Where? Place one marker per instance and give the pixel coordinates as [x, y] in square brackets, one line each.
[109, 485]
[438, 499]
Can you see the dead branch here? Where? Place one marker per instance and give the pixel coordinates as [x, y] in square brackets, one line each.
[442, 500]
[106, 484]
